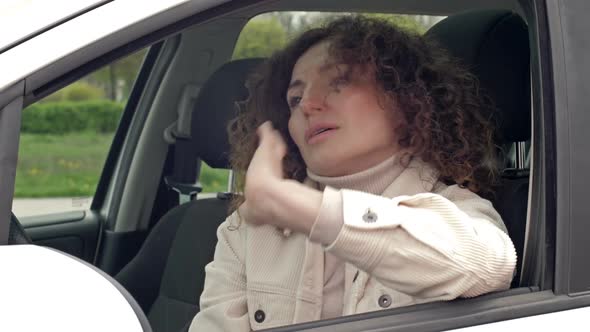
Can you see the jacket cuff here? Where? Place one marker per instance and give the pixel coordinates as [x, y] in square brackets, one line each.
[329, 220]
[362, 236]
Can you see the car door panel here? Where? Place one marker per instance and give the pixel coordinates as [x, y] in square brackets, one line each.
[75, 233]
[570, 45]
[81, 233]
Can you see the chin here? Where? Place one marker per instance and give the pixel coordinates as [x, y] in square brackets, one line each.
[324, 164]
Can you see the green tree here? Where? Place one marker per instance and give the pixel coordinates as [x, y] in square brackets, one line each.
[117, 78]
[260, 38]
[406, 22]
[77, 91]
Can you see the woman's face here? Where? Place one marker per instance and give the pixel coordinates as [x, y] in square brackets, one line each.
[337, 120]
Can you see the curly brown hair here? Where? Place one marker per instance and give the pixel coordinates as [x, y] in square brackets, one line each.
[445, 120]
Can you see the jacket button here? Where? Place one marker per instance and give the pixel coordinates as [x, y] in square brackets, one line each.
[369, 216]
[259, 316]
[384, 301]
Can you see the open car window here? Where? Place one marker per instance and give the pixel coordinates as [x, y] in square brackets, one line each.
[65, 139]
[269, 32]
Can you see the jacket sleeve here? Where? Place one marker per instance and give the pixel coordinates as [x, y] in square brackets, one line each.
[223, 304]
[431, 246]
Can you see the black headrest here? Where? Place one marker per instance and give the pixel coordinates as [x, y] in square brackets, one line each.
[494, 45]
[216, 106]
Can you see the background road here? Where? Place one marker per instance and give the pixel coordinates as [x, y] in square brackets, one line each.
[24, 207]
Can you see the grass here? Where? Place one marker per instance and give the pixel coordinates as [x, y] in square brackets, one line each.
[70, 165]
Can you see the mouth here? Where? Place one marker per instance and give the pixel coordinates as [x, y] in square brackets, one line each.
[315, 132]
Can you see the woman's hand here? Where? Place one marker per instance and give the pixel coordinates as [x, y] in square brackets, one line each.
[270, 198]
[264, 176]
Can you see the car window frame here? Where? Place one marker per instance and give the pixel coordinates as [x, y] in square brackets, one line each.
[569, 37]
[62, 48]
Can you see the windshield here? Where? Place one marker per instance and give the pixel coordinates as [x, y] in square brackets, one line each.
[20, 19]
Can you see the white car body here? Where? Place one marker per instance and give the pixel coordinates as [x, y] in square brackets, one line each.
[104, 21]
[39, 49]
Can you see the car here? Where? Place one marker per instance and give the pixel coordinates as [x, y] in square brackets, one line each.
[150, 230]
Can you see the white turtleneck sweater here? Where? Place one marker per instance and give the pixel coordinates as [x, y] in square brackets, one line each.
[329, 222]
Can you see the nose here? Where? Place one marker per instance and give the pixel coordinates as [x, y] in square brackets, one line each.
[314, 100]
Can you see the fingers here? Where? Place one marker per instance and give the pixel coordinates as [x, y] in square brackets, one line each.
[264, 128]
[271, 138]
[265, 131]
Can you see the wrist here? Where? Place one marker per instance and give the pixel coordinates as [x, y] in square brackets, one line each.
[299, 206]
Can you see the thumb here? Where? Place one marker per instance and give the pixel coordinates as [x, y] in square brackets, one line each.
[271, 139]
[264, 130]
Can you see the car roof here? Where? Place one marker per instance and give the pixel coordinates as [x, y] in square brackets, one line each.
[113, 20]
[114, 25]
[23, 19]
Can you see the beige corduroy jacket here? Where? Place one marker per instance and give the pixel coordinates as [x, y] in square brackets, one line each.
[421, 241]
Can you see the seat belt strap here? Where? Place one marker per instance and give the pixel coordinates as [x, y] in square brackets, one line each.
[186, 192]
[184, 177]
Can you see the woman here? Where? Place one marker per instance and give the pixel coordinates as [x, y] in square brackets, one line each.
[363, 149]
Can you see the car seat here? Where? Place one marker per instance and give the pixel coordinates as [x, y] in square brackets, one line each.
[167, 275]
[494, 45]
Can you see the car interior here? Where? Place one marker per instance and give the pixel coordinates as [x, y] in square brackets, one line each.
[157, 233]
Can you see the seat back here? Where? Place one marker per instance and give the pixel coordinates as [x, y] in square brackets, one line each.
[494, 45]
[192, 246]
[166, 277]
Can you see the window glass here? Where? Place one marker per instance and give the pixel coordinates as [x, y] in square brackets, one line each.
[65, 139]
[213, 180]
[268, 32]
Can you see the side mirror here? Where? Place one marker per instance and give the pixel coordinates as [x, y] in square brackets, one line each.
[45, 290]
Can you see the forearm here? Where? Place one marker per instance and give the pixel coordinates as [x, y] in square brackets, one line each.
[435, 249]
[295, 206]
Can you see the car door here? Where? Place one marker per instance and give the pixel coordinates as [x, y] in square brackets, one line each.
[22, 21]
[57, 192]
[558, 230]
